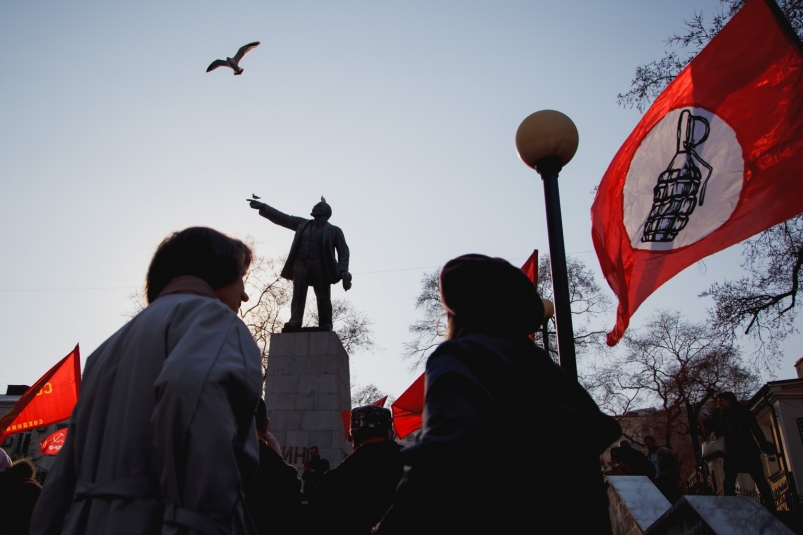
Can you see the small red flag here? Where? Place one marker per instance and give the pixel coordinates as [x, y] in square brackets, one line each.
[408, 409]
[48, 401]
[530, 268]
[52, 444]
[716, 159]
[380, 402]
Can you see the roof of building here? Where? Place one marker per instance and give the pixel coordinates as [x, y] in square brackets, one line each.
[761, 391]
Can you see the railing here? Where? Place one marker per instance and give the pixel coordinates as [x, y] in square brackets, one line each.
[701, 482]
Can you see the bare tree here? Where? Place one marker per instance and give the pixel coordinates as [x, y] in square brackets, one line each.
[674, 366]
[352, 326]
[763, 301]
[362, 395]
[586, 297]
[429, 331]
[270, 296]
[587, 303]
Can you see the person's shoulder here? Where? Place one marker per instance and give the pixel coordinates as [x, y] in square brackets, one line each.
[184, 305]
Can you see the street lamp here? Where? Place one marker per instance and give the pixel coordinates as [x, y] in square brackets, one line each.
[546, 141]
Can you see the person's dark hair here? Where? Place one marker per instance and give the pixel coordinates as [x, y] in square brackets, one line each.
[200, 252]
[20, 470]
[650, 437]
[488, 295]
[314, 448]
[729, 396]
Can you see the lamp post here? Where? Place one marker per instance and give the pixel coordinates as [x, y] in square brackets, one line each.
[546, 141]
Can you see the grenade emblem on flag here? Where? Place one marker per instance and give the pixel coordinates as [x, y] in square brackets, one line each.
[675, 195]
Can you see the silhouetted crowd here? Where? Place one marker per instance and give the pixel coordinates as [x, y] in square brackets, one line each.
[170, 435]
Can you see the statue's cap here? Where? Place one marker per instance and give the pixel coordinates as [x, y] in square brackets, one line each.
[325, 206]
[490, 295]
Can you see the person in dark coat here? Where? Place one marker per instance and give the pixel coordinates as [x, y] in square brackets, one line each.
[352, 498]
[666, 470]
[744, 442]
[491, 392]
[314, 469]
[273, 495]
[19, 493]
[636, 463]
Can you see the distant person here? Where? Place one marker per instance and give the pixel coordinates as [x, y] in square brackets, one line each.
[666, 467]
[163, 435]
[314, 469]
[19, 492]
[273, 495]
[491, 391]
[744, 442]
[352, 498]
[635, 462]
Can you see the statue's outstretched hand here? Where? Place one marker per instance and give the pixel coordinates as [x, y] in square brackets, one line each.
[256, 205]
[346, 280]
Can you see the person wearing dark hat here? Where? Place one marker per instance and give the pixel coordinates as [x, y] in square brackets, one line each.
[352, 498]
[491, 391]
[273, 495]
[312, 260]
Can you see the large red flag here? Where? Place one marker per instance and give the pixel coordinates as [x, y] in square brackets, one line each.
[409, 408]
[48, 401]
[715, 160]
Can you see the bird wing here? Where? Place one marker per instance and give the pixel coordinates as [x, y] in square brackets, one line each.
[245, 50]
[217, 63]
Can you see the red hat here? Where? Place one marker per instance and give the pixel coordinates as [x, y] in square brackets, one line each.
[490, 295]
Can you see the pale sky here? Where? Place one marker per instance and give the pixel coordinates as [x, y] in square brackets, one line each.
[402, 115]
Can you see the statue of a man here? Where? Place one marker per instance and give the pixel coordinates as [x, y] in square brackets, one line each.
[312, 260]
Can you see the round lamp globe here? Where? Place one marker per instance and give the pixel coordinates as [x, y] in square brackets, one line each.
[546, 133]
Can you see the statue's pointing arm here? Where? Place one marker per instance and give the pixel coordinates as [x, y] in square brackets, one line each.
[277, 217]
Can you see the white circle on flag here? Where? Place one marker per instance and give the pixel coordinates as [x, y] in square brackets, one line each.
[669, 176]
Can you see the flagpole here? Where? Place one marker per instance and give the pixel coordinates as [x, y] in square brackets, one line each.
[546, 141]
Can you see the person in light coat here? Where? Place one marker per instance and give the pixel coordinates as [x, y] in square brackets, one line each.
[163, 435]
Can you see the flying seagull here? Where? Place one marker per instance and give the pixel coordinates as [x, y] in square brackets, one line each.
[234, 62]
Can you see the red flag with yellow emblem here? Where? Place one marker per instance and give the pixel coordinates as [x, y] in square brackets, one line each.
[48, 401]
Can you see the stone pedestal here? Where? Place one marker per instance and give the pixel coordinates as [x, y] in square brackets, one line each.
[306, 389]
[718, 515]
[634, 504]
